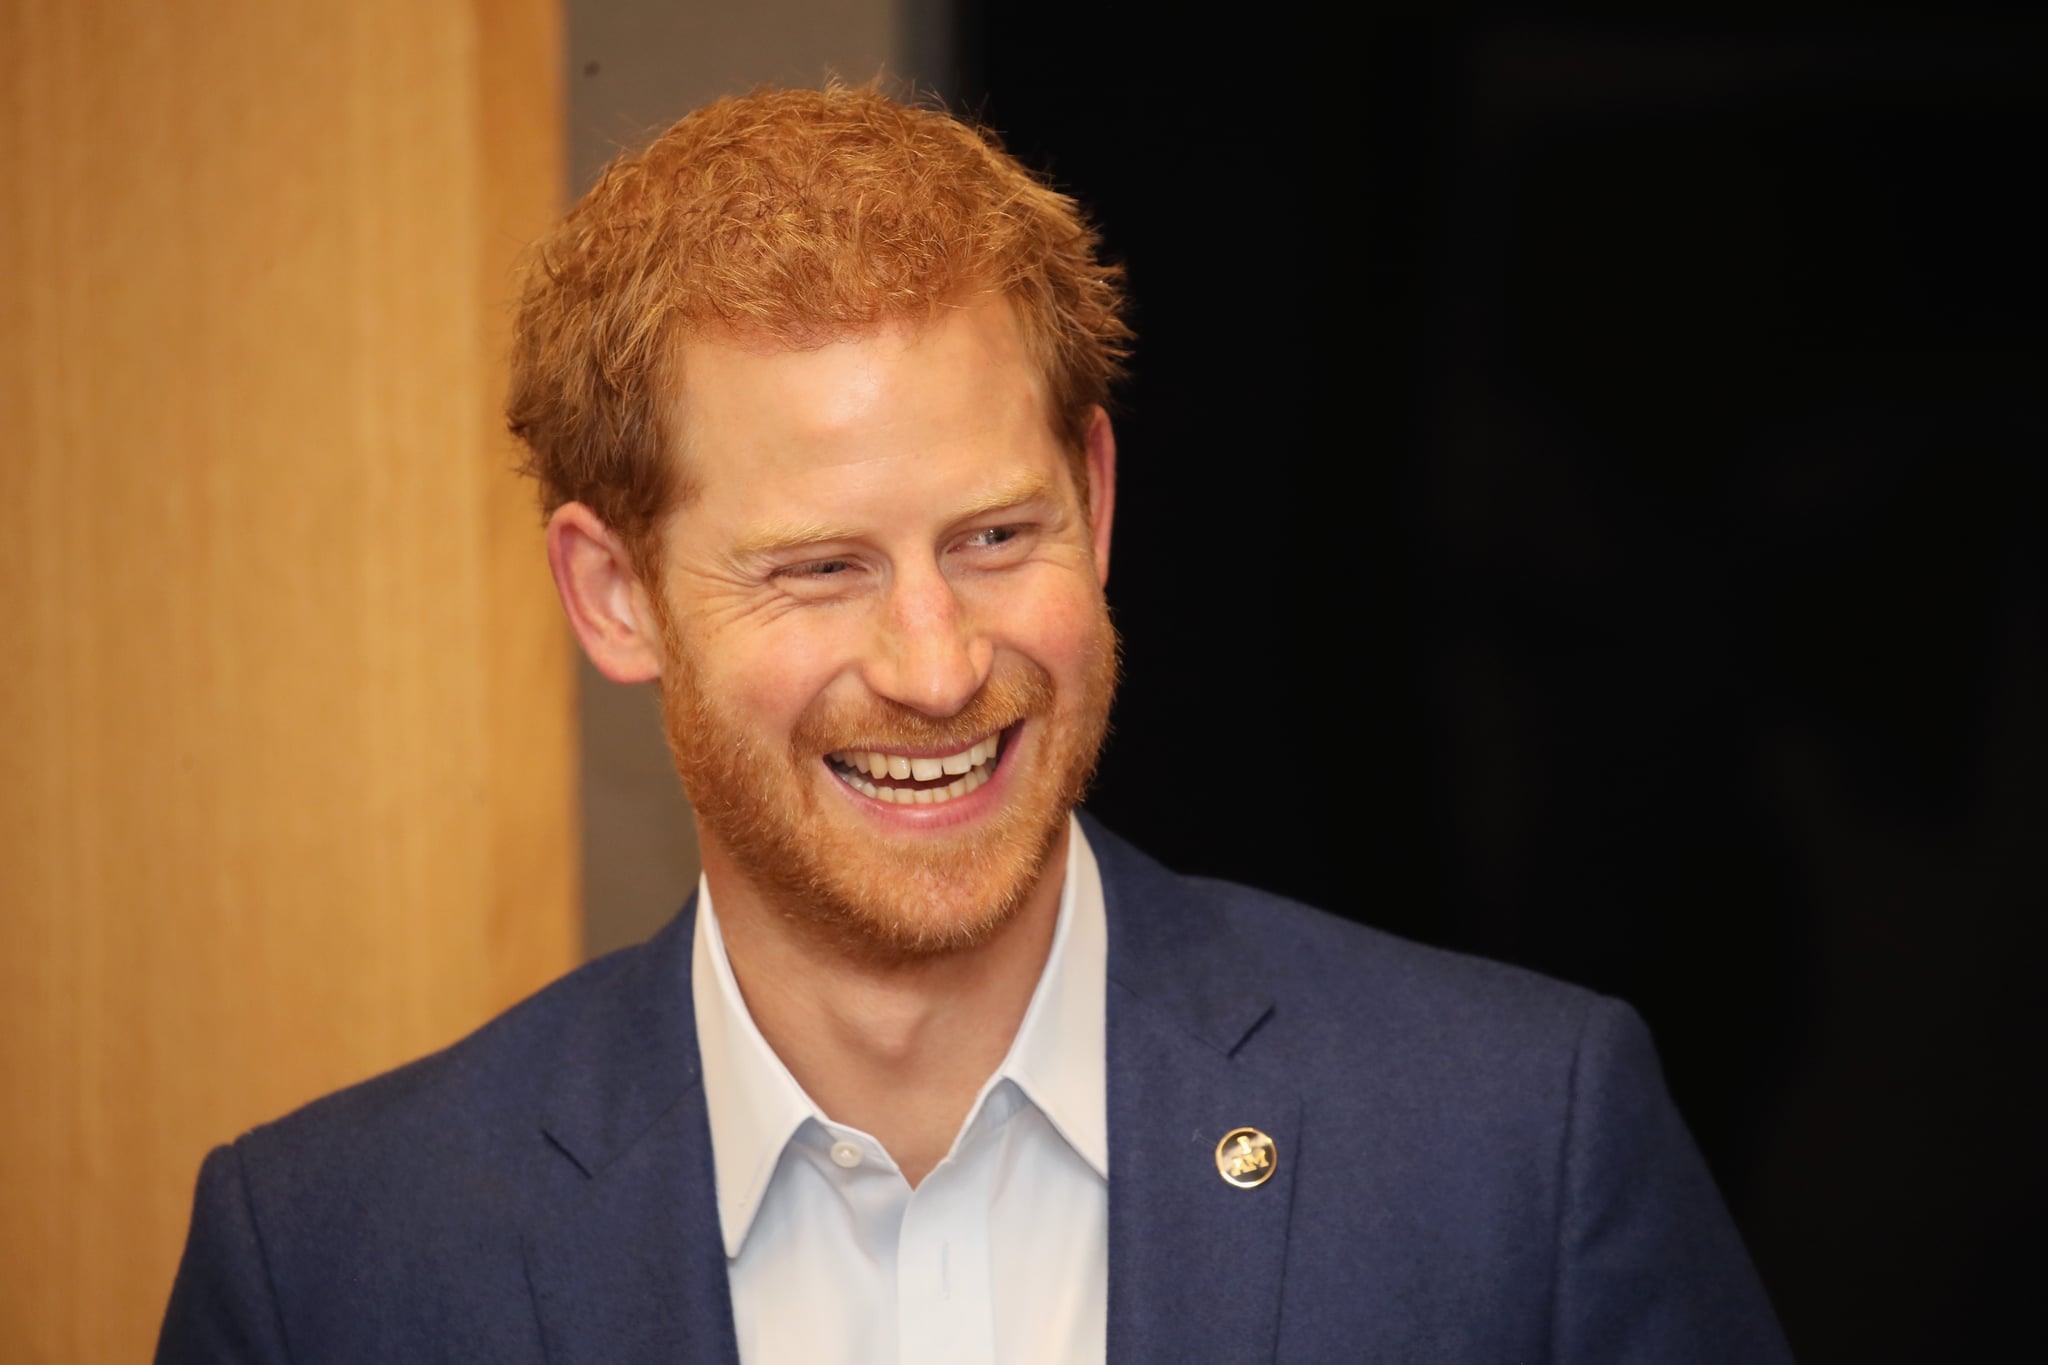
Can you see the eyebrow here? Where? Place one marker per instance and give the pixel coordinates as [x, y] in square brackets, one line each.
[780, 537]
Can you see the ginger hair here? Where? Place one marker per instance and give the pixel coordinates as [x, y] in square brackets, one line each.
[792, 218]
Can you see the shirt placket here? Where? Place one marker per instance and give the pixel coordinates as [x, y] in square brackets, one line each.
[944, 1311]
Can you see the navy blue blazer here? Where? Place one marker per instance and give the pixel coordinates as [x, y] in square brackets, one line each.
[1475, 1164]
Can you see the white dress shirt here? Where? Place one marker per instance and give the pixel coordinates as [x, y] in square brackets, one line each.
[999, 1257]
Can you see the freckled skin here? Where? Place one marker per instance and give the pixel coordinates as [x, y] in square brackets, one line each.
[887, 549]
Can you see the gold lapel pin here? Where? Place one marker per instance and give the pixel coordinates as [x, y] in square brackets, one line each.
[1246, 1157]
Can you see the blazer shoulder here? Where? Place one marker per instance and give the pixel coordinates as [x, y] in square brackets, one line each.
[1306, 950]
[1212, 937]
[494, 1078]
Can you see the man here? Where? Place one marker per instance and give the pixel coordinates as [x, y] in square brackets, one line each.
[931, 1069]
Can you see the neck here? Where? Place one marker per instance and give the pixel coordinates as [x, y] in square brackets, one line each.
[897, 1047]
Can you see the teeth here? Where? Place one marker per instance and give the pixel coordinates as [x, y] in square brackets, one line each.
[924, 769]
[919, 796]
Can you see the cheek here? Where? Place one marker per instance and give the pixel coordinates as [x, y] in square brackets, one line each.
[768, 679]
[1065, 629]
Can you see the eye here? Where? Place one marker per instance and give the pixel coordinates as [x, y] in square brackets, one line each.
[820, 578]
[990, 537]
[820, 568]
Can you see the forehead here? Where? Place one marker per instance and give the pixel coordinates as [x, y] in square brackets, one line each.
[957, 395]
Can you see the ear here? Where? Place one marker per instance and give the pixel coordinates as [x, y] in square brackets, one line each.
[1101, 457]
[603, 597]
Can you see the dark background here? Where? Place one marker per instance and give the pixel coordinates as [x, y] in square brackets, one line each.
[1581, 503]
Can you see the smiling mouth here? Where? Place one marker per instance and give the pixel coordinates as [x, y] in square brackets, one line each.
[919, 781]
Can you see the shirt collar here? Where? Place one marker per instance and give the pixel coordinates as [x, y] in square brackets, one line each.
[1057, 1057]
[755, 1106]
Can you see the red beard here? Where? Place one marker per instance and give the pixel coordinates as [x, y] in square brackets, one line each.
[877, 895]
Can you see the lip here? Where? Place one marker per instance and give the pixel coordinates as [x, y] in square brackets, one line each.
[958, 811]
[924, 750]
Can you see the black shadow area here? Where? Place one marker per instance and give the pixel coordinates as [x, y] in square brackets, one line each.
[1582, 503]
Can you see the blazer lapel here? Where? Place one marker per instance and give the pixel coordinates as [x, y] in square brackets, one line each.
[1195, 1263]
[625, 1259]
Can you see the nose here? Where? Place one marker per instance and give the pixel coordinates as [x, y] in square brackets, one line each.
[928, 654]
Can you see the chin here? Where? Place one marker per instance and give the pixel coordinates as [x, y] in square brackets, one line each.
[934, 905]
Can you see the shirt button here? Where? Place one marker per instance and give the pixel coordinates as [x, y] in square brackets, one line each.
[845, 1154]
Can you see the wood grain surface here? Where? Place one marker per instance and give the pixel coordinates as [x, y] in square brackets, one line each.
[286, 751]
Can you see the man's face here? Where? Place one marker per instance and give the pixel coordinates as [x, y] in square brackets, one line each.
[887, 661]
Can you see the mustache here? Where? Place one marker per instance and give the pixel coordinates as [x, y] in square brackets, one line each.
[884, 725]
